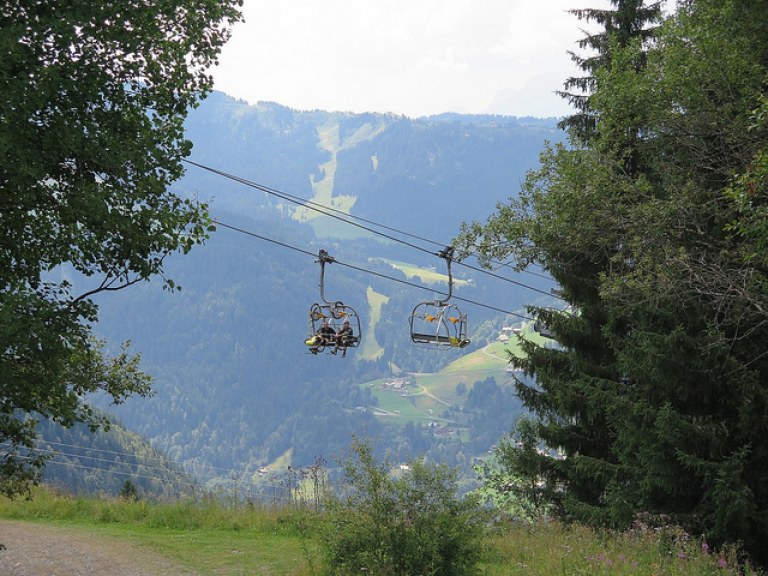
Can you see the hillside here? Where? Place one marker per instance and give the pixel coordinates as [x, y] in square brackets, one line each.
[471, 398]
[425, 176]
[109, 462]
[234, 386]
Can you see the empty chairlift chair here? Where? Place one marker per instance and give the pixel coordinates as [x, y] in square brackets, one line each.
[439, 323]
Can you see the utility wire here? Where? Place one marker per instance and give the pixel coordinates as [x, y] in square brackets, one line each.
[116, 472]
[155, 455]
[343, 217]
[266, 490]
[160, 469]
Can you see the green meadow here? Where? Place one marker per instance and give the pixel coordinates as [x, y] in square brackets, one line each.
[370, 348]
[428, 396]
[234, 539]
[427, 276]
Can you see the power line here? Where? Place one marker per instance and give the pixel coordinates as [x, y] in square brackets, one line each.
[163, 461]
[160, 470]
[117, 472]
[343, 217]
[266, 491]
[155, 454]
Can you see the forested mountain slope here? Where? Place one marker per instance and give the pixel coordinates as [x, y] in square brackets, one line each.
[110, 462]
[234, 386]
[425, 176]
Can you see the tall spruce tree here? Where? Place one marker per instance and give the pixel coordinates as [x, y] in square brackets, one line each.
[630, 20]
[692, 436]
[564, 222]
[657, 394]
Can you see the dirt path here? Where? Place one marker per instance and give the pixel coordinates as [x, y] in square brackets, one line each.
[41, 550]
[428, 393]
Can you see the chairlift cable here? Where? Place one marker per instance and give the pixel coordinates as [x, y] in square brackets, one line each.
[335, 213]
[406, 282]
[365, 270]
[260, 237]
[320, 208]
[494, 275]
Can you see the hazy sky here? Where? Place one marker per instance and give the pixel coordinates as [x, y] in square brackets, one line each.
[411, 57]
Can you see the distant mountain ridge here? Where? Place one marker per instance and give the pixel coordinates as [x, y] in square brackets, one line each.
[416, 174]
[234, 386]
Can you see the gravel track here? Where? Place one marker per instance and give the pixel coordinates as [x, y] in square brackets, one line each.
[41, 550]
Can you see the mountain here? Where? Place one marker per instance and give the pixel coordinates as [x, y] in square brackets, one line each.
[416, 174]
[235, 389]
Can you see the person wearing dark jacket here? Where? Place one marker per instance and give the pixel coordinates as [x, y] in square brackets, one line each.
[343, 338]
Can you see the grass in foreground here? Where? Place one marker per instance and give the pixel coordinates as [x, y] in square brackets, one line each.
[225, 540]
[209, 537]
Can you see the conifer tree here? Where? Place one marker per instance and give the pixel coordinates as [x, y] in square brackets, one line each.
[656, 394]
[690, 438]
[574, 378]
[630, 20]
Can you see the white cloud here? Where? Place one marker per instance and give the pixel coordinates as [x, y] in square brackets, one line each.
[412, 57]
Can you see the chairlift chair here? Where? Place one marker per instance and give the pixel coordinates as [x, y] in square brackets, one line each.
[543, 322]
[439, 323]
[333, 312]
[542, 328]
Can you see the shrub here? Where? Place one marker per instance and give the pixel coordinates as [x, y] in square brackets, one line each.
[408, 524]
[129, 491]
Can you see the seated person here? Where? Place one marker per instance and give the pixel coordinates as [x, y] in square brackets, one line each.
[344, 337]
[325, 335]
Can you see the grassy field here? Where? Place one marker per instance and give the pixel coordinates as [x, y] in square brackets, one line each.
[213, 539]
[429, 395]
[371, 349]
[426, 276]
[219, 540]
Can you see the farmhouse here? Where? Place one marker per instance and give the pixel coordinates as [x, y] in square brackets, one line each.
[398, 384]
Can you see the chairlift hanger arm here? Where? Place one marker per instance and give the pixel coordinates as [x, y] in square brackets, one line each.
[447, 255]
[323, 257]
